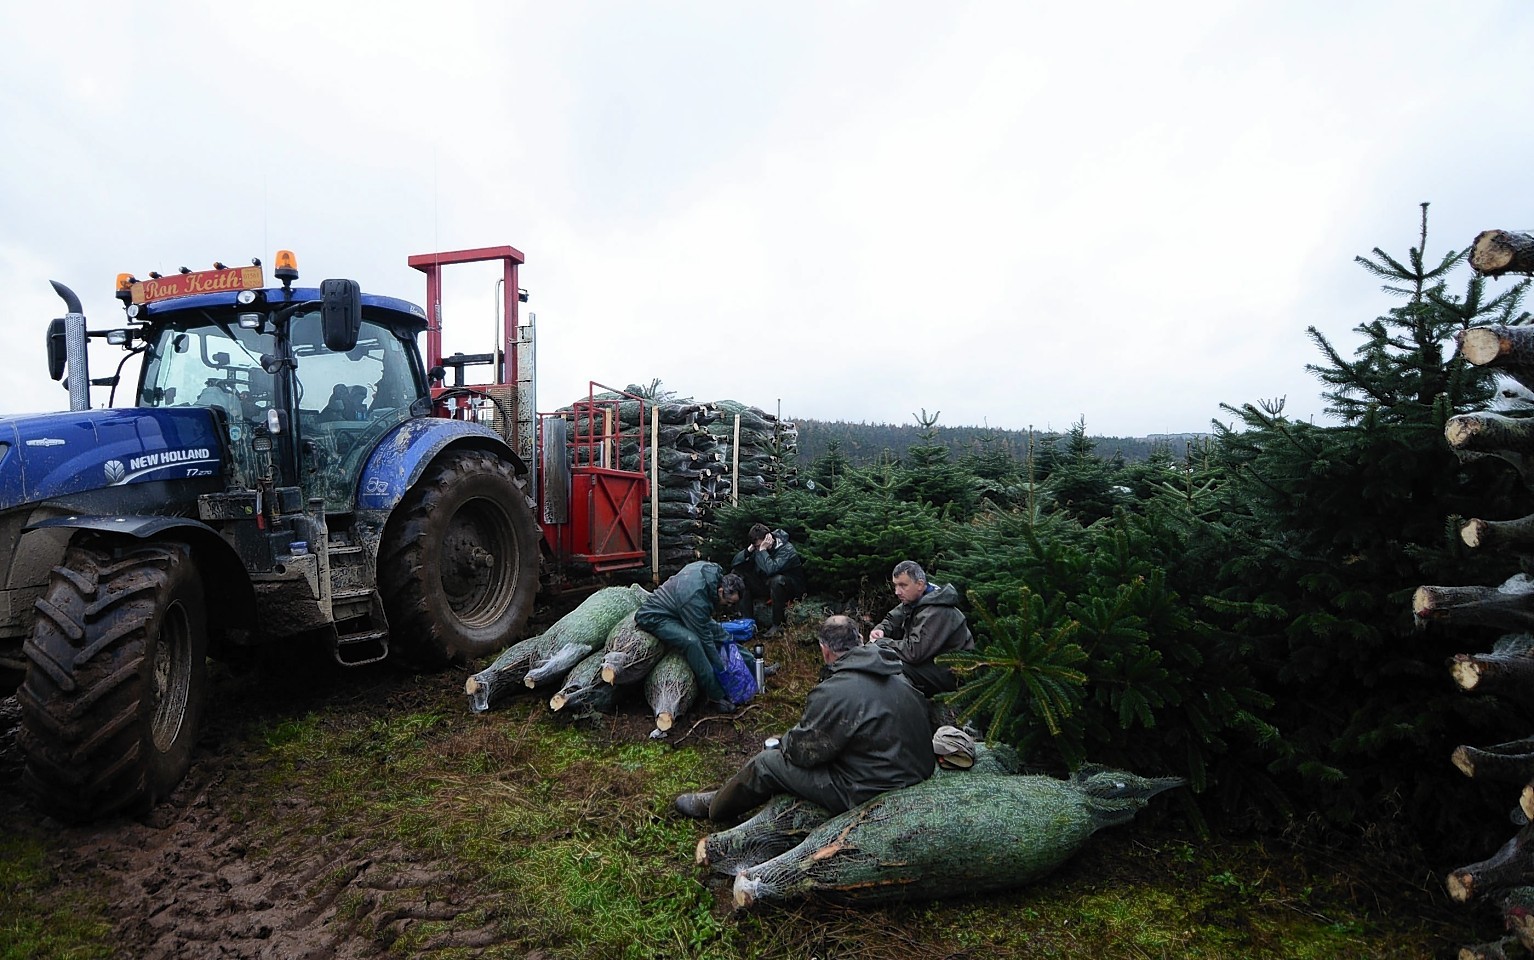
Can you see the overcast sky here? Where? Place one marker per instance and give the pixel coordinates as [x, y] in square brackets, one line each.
[1016, 213]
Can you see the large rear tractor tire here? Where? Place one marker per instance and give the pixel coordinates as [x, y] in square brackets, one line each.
[116, 680]
[459, 567]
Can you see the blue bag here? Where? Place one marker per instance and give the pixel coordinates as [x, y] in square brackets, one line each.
[740, 630]
[737, 679]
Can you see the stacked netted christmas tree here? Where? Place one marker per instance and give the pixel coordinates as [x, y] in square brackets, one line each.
[697, 454]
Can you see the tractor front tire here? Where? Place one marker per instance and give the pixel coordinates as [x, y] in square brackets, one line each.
[116, 679]
[459, 566]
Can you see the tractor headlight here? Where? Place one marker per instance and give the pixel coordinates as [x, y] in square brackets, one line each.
[245, 298]
[273, 420]
[250, 321]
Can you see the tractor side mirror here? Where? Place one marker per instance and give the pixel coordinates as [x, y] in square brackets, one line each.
[57, 352]
[340, 313]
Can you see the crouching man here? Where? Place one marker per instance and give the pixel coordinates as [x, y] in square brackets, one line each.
[864, 731]
[680, 614]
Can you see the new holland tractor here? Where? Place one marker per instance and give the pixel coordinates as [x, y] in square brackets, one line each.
[292, 469]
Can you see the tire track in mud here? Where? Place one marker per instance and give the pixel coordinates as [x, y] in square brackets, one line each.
[198, 877]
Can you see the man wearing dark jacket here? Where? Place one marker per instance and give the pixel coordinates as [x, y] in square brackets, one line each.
[864, 731]
[927, 622]
[680, 613]
[771, 568]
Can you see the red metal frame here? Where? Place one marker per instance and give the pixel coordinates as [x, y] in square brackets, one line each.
[431, 264]
[604, 529]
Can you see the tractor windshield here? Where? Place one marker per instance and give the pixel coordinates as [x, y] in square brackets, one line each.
[209, 366]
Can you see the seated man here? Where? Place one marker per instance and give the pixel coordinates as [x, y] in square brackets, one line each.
[680, 613]
[771, 568]
[343, 406]
[864, 731]
[927, 622]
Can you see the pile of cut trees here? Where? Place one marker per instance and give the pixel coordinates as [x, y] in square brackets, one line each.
[960, 833]
[588, 660]
[1505, 431]
[698, 456]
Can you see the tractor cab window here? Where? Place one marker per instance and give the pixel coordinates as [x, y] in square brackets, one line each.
[346, 402]
[209, 366]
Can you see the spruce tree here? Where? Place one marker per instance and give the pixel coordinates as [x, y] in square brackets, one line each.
[1343, 522]
[828, 468]
[1081, 481]
[929, 476]
[997, 473]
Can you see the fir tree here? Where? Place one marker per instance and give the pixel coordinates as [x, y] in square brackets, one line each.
[930, 477]
[1343, 522]
[828, 468]
[1081, 481]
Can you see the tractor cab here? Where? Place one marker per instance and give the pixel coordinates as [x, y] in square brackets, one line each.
[304, 382]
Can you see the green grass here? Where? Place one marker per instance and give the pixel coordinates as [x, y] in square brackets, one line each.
[561, 840]
[36, 921]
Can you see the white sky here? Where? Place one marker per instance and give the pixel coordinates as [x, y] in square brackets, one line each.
[1013, 212]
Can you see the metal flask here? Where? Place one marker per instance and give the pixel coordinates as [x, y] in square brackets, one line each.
[761, 675]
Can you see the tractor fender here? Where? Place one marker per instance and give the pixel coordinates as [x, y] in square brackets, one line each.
[217, 561]
[403, 455]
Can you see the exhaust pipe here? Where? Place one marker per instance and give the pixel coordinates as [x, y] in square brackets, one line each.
[78, 378]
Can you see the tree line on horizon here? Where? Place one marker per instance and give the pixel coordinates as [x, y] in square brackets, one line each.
[865, 444]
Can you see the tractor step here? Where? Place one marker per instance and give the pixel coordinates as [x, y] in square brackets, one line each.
[351, 604]
[366, 646]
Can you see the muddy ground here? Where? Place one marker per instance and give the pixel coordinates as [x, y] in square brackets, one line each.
[196, 878]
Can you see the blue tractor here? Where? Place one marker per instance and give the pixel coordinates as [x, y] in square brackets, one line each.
[290, 469]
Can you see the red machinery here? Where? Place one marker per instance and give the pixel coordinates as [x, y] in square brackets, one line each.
[588, 506]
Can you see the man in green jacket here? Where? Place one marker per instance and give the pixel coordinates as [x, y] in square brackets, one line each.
[928, 622]
[771, 568]
[864, 731]
[680, 614]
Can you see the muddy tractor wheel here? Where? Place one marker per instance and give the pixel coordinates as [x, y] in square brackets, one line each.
[116, 679]
[459, 568]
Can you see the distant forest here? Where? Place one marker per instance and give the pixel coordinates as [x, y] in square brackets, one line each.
[866, 443]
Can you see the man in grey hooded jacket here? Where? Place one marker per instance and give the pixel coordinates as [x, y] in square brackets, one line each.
[864, 731]
[928, 622]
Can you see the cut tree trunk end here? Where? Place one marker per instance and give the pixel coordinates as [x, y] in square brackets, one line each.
[1494, 342]
[1510, 676]
[1509, 350]
[1511, 762]
[1526, 801]
[1495, 252]
[1509, 866]
[1489, 432]
[1509, 534]
[1509, 606]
